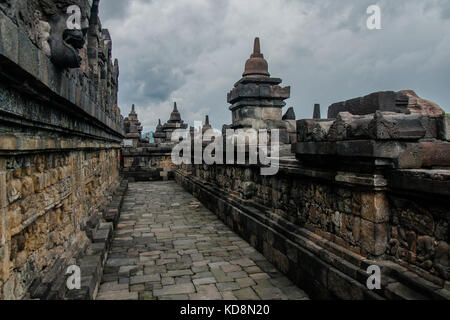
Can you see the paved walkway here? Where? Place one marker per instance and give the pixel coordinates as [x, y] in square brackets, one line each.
[169, 246]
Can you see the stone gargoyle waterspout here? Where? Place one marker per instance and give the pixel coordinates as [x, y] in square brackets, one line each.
[66, 38]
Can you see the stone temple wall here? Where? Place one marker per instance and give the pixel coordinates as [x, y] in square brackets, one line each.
[337, 212]
[364, 188]
[60, 137]
[354, 223]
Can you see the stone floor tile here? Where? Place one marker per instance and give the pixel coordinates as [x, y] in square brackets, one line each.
[231, 268]
[112, 286]
[204, 281]
[175, 289]
[145, 278]
[259, 276]
[246, 294]
[228, 295]
[118, 295]
[137, 287]
[245, 262]
[245, 282]
[174, 297]
[269, 293]
[227, 286]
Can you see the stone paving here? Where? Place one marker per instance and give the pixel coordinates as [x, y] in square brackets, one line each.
[169, 246]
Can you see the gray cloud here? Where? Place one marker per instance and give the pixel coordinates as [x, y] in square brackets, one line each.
[114, 8]
[193, 51]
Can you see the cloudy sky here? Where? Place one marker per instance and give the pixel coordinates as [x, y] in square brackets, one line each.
[193, 51]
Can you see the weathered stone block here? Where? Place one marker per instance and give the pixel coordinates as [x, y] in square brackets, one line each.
[101, 235]
[3, 194]
[5, 270]
[410, 156]
[44, 73]
[435, 154]
[9, 38]
[374, 207]
[291, 128]
[90, 284]
[344, 287]
[392, 126]
[8, 142]
[28, 55]
[313, 130]
[445, 128]
[8, 289]
[383, 101]
[418, 105]
[271, 113]
[373, 237]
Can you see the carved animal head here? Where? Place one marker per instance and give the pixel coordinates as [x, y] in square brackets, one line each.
[69, 25]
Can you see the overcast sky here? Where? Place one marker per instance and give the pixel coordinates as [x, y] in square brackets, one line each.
[193, 51]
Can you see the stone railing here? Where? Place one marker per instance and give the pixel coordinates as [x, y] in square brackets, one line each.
[147, 163]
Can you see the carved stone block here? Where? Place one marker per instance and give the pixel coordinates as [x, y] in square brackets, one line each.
[3, 193]
[444, 128]
[313, 130]
[14, 190]
[9, 38]
[392, 126]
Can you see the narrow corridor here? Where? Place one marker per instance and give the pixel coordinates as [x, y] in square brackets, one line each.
[169, 246]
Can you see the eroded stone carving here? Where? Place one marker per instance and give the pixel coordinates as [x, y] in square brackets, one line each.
[65, 42]
[42, 34]
[15, 187]
[48, 25]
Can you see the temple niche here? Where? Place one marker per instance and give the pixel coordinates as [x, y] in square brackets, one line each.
[257, 100]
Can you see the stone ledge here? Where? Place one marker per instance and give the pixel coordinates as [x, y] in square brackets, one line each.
[401, 155]
[150, 151]
[424, 181]
[421, 181]
[20, 144]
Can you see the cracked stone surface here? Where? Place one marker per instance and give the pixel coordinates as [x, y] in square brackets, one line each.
[167, 245]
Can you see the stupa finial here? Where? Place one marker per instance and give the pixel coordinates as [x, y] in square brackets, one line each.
[256, 47]
[256, 65]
